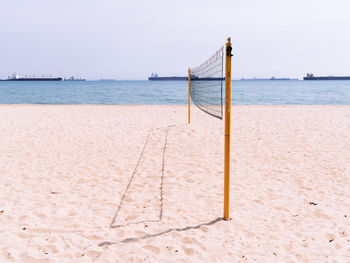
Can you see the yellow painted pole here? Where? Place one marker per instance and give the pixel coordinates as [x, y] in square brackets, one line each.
[189, 95]
[227, 130]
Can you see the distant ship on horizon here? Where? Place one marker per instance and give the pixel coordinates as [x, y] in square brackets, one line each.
[72, 78]
[310, 76]
[155, 76]
[272, 78]
[16, 77]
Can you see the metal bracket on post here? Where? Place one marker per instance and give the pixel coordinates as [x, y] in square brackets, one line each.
[229, 51]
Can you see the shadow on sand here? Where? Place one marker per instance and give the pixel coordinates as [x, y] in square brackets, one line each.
[127, 240]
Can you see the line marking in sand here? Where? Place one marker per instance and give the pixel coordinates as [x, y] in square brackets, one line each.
[131, 179]
[129, 183]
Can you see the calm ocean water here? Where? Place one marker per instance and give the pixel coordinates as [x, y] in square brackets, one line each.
[172, 92]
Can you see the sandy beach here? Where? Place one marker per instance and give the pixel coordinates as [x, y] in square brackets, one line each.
[138, 184]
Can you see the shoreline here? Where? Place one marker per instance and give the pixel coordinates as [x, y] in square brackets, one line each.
[171, 105]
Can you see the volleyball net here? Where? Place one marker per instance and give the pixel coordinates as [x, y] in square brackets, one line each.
[206, 82]
[205, 88]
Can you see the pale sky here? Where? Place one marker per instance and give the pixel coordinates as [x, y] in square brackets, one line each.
[131, 39]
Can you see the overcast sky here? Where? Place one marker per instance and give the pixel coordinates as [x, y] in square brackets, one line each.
[131, 39]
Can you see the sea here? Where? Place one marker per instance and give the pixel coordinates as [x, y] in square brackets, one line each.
[144, 92]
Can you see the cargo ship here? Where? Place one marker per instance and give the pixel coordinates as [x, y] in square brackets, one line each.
[311, 76]
[15, 77]
[155, 76]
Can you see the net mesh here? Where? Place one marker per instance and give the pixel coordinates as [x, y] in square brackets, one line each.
[206, 85]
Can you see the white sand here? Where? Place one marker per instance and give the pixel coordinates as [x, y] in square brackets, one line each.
[64, 171]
